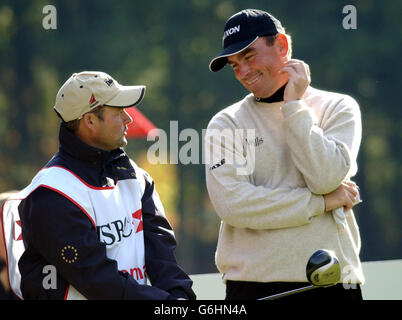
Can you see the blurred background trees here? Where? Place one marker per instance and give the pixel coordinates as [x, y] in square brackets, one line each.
[167, 46]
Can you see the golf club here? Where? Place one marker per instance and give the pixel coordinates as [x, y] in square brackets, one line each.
[322, 270]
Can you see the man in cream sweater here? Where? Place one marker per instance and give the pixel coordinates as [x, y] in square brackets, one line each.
[278, 163]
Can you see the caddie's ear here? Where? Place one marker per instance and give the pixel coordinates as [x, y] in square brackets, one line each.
[283, 45]
[88, 120]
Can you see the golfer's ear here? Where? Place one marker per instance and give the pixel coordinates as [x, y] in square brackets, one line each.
[282, 44]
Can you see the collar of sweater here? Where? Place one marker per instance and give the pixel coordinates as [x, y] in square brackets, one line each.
[276, 97]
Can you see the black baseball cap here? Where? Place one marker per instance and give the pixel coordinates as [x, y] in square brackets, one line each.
[241, 30]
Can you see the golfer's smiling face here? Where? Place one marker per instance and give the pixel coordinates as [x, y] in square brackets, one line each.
[257, 67]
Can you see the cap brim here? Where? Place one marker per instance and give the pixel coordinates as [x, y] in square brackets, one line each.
[219, 62]
[128, 96]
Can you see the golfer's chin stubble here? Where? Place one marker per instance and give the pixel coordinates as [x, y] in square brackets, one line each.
[267, 86]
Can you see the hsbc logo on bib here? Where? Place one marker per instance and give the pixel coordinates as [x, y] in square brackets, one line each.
[137, 221]
[117, 230]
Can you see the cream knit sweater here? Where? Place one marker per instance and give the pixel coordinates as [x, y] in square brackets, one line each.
[274, 218]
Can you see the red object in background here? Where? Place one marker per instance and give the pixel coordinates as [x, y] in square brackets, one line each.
[140, 126]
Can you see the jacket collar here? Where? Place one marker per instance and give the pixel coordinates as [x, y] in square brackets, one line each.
[71, 145]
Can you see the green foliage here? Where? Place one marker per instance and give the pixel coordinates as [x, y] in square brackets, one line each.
[167, 45]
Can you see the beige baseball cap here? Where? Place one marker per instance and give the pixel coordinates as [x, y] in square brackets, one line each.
[84, 91]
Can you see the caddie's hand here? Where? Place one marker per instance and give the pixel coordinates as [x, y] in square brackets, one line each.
[299, 79]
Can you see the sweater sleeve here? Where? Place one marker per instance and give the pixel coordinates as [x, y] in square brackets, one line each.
[325, 152]
[239, 202]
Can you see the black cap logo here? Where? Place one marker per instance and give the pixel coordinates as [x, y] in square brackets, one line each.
[231, 31]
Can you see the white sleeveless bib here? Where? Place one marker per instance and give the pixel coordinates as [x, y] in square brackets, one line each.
[115, 213]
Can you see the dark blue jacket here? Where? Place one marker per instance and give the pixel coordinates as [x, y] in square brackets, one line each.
[50, 222]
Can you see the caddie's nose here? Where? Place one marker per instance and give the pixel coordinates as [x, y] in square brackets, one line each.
[126, 117]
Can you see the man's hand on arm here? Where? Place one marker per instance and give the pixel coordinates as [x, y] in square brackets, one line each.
[346, 195]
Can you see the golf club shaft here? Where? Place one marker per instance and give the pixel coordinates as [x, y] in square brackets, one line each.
[288, 293]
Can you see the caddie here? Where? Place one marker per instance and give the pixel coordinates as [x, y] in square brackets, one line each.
[91, 216]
